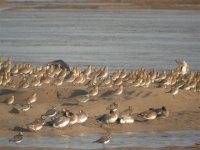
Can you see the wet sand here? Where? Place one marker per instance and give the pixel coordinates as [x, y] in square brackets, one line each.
[194, 147]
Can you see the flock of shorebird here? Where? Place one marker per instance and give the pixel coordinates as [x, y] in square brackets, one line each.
[180, 77]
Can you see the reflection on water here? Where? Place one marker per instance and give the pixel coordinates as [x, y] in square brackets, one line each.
[129, 139]
[117, 38]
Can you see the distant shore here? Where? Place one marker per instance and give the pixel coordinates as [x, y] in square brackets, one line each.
[106, 4]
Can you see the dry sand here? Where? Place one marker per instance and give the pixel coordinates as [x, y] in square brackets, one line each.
[184, 109]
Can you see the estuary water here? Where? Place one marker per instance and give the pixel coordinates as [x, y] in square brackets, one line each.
[117, 38]
[127, 139]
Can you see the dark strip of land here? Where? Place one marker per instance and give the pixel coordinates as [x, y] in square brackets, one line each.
[106, 4]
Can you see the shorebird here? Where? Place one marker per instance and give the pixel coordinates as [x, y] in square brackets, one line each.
[113, 106]
[122, 74]
[109, 118]
[116, 75]
[23, 107]
[104, 140]
[92, 81]
[184, 66]
[83, 98]
[137, 82]
[126, 119]
[118, 81]
[174, 91]
[5, 79]
[25, 85]
[179, 84]
[37, 124]
[73, 118]
[82, 116]
[128, 111]
[1, 77]
[104, 73]
[161, 112]
[79, 79]
[57, 70]
[161, 76]
[153, 74]
[50, 112]
[61, 122]
[94, 91]
[191, 85]
[45, 79]
[71, 78]
[148, 115]
[36, 82]
[119, 90]
[32, 98]
[10, 100]
[15, 69]
[87, 71]
[63, 73]
[58, 82]
[126, 116]
[106, 81]
[17, 138]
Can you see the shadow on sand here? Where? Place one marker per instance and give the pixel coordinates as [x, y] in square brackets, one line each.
[6, 91]
[78, 92]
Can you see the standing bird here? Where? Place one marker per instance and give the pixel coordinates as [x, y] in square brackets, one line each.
[119, 90]
[94, 91]
[104, 139]
[17, 138]
[37, 124]
[10, 100]
[32, 98]
[184, 66]
[104, 73]
[174, 91]
[50, 112]
[23, 107]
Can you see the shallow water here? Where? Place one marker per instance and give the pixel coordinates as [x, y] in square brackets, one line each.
[128, 139]
[117, 38]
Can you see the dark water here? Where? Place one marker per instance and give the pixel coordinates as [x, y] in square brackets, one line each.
[129, 139]
[119, 39]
